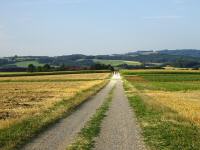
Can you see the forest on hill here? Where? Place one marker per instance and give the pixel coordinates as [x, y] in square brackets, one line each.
[186, 58]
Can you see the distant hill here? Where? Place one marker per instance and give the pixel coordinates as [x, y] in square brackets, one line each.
[187, 58]
[184, 52]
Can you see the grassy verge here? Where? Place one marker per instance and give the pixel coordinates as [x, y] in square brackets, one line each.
[163, 128]
[18, 134]
[85, 139]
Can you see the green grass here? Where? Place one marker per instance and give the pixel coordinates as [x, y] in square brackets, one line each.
[161, 132]
[26, 63]
[171, 77]
[166, 81]
[167, 86]
[176, 86]
[159, 72]
[18, 134]
[117, 62]
[86, 138]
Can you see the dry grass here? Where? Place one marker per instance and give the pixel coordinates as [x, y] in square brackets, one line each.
[89, 76]
[20, 100]
[187, 104]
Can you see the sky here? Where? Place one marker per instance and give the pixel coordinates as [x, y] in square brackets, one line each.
[62, 27]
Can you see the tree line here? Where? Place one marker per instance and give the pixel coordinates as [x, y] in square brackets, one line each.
[63, 67]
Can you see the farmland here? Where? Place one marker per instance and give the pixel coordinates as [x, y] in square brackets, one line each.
[16, 74]
[117, 62]
[30, 103]
[26, 63]
[60, 78]
[167, 106]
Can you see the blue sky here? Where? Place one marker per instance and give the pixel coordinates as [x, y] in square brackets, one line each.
[59, 27]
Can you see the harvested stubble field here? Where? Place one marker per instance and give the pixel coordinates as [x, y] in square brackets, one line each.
[30, 103]
[48, 78]
[167, 104]
[19, 100]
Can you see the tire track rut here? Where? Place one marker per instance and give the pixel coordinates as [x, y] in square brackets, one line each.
[62, 133]
[119, 129]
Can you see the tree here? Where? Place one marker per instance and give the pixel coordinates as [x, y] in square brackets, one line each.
[46, 67]
[39, 69]
[99, 66]
[31, 68]
[62, 67]
[111, 68]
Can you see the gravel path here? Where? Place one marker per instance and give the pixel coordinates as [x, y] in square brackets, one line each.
[63, 132]
[119, 129]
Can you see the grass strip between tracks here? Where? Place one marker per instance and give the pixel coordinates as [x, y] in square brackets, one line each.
[86, 138]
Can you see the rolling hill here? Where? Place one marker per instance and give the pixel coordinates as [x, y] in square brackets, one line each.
[188, 58]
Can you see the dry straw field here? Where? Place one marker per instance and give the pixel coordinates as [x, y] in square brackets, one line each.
[187, 104]
[66, 77]
[20, 100]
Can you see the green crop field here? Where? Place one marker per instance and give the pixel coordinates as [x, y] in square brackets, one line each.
[167, 106]
[116, 62]
[26, 63]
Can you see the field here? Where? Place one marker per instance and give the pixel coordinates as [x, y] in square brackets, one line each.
[29, 103]
[26, 63]
[16, 74]
[167, 105]
[57, 78]
[117, 62]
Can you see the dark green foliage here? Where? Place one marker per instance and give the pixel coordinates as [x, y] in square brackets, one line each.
[185, 63]
[99, 66]
[31, 68]
[184, 52]
[46, 68]
[177, 58]
[4, 62]
[39, 69]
